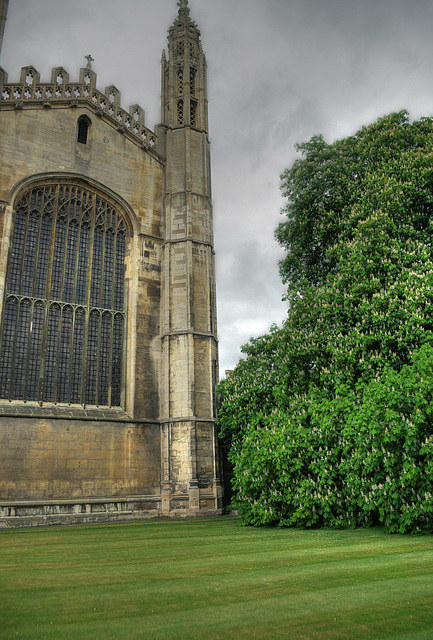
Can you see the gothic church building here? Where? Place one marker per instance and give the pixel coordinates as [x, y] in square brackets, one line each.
[108, 347]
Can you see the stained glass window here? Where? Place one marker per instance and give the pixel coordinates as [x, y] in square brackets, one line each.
[62, 337]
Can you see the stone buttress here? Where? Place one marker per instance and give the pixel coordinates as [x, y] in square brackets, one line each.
[188, 310]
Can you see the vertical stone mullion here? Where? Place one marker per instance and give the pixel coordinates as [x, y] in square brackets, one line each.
[84, 358]
[110, 360]
[56, 371]
[124, 345]
[98, 359]
[71, 354]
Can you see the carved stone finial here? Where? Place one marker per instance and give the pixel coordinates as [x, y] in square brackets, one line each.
[89, 61]
[183, 4]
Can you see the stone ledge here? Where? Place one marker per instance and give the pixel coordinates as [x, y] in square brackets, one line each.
[66, 412]
[24, 512]
[23, 522]
[68, 501]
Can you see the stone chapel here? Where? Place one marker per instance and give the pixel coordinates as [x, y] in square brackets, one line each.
[108, 337]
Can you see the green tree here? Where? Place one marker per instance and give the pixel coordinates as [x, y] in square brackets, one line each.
[315, 418]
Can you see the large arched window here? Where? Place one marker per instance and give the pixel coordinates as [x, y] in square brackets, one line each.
[64, 313]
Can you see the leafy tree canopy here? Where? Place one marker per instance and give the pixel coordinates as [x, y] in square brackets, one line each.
[328, 419]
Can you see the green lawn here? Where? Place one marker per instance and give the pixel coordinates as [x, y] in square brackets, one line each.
[212, 579]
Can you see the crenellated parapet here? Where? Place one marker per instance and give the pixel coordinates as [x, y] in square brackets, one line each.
[30, 91]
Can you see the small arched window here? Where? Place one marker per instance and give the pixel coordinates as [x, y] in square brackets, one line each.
[83, 129]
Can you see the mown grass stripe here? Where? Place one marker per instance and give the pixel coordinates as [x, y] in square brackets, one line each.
[213, 579]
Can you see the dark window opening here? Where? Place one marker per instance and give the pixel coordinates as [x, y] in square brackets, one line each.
[83, 129]
[180, 112]
[193, 113]
[192, 79]
[180, 81]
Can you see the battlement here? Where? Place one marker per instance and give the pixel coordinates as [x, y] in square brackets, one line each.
[62, 92]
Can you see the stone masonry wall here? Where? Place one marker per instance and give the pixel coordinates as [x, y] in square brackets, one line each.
[40, 141]
[61, 459]
[49, 458]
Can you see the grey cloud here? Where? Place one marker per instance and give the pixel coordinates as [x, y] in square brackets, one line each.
[279, 72]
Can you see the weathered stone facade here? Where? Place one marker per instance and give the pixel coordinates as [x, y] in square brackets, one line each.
[145, 447]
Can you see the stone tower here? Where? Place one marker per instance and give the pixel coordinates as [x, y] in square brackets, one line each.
[108, 344]
[188, 304]
[3, 14]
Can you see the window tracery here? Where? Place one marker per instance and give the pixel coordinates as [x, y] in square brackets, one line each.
[64, 314]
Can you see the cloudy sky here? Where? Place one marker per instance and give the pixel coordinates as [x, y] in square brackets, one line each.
[280, 71]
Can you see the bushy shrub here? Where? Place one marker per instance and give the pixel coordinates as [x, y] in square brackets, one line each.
[328, 420]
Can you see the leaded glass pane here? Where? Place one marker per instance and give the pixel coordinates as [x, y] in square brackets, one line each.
[71, 254]
[35, 351]
[57, 260]
[116, 375]
[92, 357]
[95, 292]
[21, 347]
[29, 261]
[43, 257]
[104, 354]
[77, 356]
[64, 355]
[6, 354]
[107, 290]
[50, 387]
[16, 256]
[82, 268]
[120, 273]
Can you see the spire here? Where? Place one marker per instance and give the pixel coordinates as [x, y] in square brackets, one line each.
[184, 92]
[3, 15]
[183, 18]
[183, 9]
